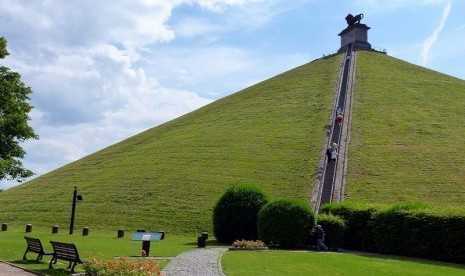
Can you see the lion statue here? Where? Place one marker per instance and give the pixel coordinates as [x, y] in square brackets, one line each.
[351, 20]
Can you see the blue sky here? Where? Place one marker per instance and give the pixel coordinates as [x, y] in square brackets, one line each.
[102, 71]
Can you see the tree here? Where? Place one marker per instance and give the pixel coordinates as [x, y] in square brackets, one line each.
[14, 128]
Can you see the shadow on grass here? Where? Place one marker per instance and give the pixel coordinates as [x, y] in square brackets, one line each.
[54, 272]
[42, 267]
[207, 243]
[23, 263]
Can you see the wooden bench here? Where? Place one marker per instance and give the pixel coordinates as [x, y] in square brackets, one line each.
[34, 245]
[66, 252]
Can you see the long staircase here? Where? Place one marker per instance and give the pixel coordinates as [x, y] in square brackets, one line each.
[331, 176]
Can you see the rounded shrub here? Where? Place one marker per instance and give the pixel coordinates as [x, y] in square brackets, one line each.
[286, 223]
[235, 214]
[335, 228]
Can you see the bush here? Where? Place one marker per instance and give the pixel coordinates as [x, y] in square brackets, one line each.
[235, 214]
[335, 228]
[286, 223]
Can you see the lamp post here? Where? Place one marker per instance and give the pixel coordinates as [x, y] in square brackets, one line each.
[76, 198]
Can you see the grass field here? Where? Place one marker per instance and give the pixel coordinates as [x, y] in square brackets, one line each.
[100, 244]
[105, 245]
[304, 263]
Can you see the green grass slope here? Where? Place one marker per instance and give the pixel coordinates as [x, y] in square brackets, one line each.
[170, 177]
[408, 135]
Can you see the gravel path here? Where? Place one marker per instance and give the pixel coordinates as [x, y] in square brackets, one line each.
[204, 262]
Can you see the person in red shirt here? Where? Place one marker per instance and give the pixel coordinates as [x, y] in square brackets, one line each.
[339, 119]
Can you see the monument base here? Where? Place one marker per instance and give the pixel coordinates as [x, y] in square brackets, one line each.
[355, 35]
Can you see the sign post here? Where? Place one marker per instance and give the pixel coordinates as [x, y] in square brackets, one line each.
[146, 238]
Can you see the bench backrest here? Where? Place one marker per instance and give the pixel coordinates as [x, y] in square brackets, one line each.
[65, 251]
[34, 245]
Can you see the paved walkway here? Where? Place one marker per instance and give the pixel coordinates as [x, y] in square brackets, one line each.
[9, 270]
[205, 262]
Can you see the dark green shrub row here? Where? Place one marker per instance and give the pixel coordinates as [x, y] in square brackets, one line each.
[357, 216]
[409, 229]
[335, 228]
[244, 213]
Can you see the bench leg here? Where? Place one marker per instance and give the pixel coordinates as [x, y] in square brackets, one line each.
[69, 265]
[24, 256]
[39, 257]
[51, 261]
[72, 268]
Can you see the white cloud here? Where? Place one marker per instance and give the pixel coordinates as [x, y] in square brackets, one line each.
[195, 27]
[380, 6]
[104, 70]
[222, 5]
[431, 40]
[86, 62]
[80, 60]
[447, 54]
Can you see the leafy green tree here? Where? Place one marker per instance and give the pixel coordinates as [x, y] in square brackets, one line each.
[14, 128]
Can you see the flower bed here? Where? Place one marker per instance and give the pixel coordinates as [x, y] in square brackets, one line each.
[248, 245]
[121, 266]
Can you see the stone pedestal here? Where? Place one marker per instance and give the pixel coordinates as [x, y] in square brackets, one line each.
[85, 231]
[355, 35]
[28, 228]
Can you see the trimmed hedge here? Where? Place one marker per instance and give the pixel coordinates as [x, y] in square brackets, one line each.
[235, 214]
[335, 228]
[431, 233]
[358, 217]
[392, 227]
[286, 223]
[408, 229]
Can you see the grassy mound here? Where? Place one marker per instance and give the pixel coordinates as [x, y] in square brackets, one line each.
[406, 144]
[407, 135]
[171, 176]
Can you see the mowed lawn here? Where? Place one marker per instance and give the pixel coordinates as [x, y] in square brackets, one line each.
[277, 262]
[103, 245]
[106, 245]
[407, 135]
